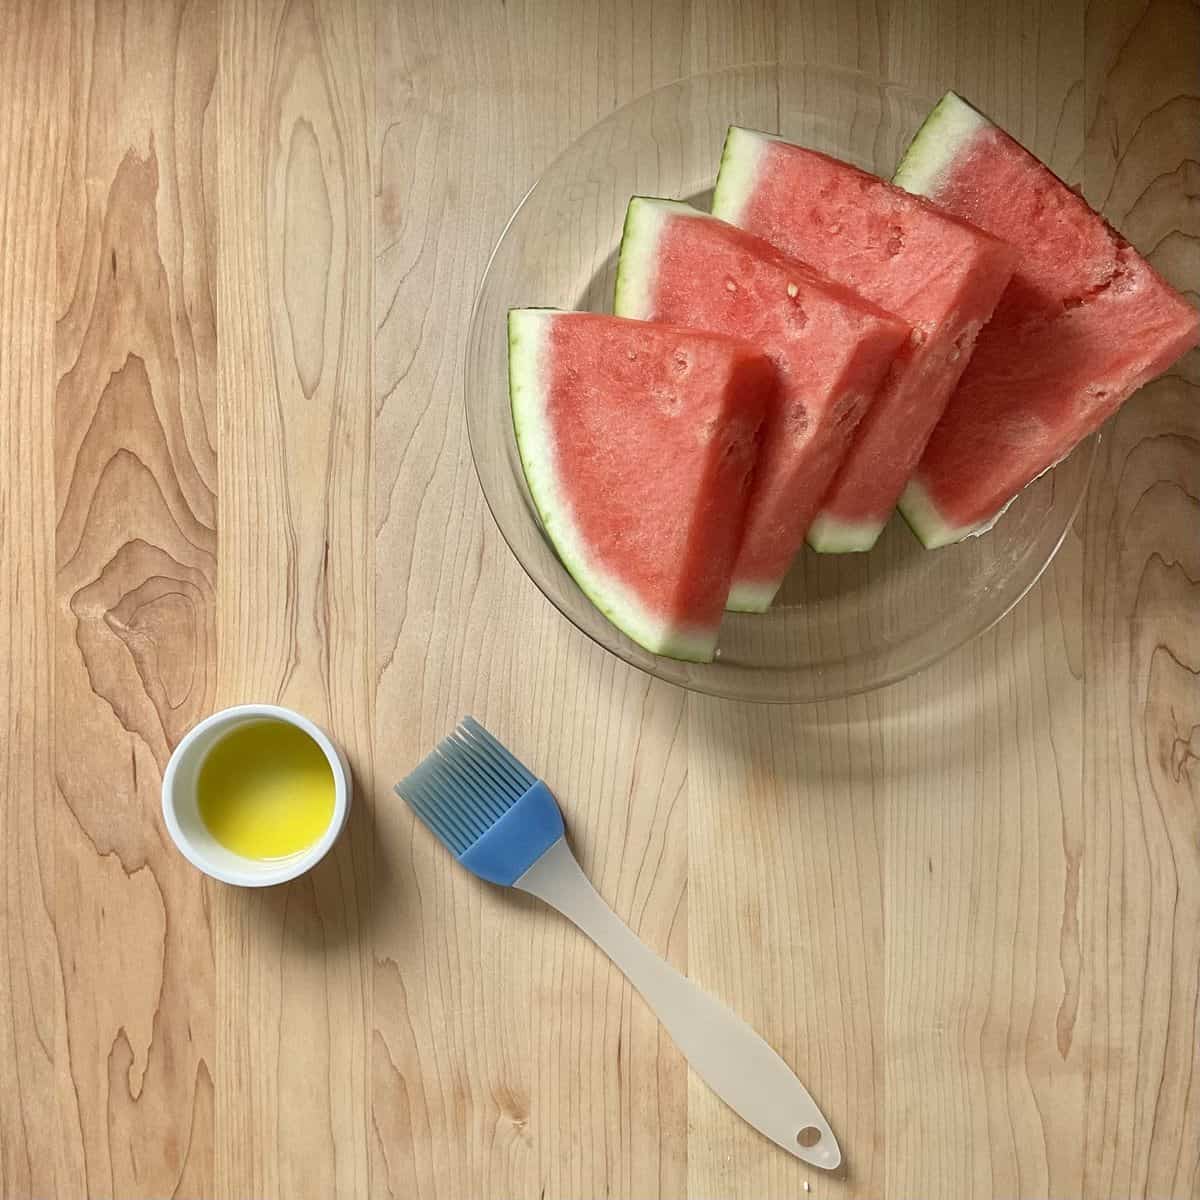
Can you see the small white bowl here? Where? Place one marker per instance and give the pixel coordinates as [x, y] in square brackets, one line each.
[182, 815]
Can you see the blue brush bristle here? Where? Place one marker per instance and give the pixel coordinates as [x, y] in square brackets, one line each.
[465, 786]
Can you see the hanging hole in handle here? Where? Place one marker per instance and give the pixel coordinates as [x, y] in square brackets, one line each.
[809, 1136]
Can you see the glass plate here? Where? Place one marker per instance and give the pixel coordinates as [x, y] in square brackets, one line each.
[841, 623]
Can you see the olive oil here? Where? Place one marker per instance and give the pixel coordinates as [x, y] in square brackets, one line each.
[265, 790]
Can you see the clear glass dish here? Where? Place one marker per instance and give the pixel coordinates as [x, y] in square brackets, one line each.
[842, 623]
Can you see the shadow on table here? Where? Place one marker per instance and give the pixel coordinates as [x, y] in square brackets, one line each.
[338, 902]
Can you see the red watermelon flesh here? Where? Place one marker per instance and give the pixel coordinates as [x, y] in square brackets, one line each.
[1084, 323]
[832, 349]
[638, 443]
[939, 273]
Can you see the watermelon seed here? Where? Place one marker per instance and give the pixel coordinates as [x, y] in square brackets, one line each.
[681, 362]
[730, 286]
[835, 228]
[964, 341]
[845, 409]
[797, 422]
[632, 354]
[792, 290]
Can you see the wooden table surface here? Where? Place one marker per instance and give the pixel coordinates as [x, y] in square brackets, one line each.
[240, 242]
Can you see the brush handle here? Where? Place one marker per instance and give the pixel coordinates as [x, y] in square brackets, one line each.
[720, 1047]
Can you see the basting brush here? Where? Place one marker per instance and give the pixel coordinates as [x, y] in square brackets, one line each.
[504, 825]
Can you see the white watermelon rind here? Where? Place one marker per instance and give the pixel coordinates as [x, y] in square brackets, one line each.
[740, 158]
[950, 127]
[829, 535]
[952, 123]
[637, 265]
[751, 597]
[526, 348]
[932, 529]
[927, 522]
[736, 180]
[637, 260]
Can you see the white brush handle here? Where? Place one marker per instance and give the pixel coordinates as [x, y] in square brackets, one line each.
[721, 1048]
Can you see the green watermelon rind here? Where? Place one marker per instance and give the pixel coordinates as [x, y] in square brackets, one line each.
[739, 166]
[608, 595]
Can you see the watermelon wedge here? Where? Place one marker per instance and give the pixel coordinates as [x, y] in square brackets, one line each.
[1084, 323]
[831, 346]
[638, 443]
[937, 272]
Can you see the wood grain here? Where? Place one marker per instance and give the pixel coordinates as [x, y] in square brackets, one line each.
[294, 605]
[32, 127]
[1141, 822]
[242, 244]
[135, 552]
[906, 985]
[493, 1039]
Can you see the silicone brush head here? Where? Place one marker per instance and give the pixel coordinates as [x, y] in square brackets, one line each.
[483, 804]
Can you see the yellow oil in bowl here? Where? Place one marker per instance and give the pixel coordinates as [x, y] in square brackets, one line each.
[265, 790]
